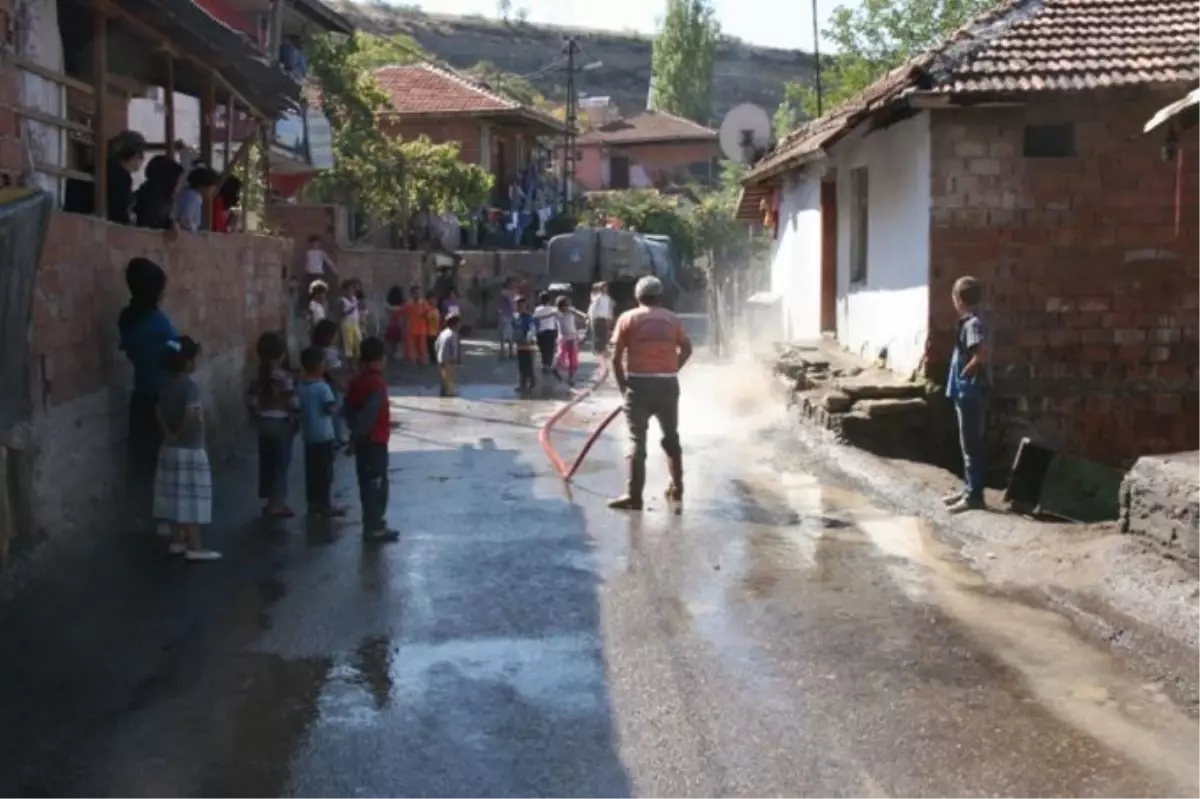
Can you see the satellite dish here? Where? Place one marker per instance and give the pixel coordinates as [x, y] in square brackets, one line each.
[745, 133]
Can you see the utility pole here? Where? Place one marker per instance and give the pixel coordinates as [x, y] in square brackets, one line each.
[571, 48]
[817, 57]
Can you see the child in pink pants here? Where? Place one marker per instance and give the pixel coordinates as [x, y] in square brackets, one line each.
[568, 337]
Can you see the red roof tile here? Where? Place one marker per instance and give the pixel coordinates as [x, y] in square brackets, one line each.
[651, 126]
[428, 89]
[1023, 46]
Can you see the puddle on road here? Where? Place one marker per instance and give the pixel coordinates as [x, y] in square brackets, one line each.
[1078, 682]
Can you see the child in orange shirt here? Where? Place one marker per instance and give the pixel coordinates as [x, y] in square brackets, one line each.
[433, 326]
[416, 328]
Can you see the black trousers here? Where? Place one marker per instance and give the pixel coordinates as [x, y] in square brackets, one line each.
[525, 367]
[431, 343]
[318, 474]
[547, 343]
[145, 437]
[371, 464]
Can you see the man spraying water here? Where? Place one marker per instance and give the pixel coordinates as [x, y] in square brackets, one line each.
[650, 346]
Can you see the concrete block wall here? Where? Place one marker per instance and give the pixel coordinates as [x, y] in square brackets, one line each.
[1092, 292]
[223, 290]
[380, 269]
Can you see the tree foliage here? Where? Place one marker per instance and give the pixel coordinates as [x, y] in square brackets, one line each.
[682, 65]
[515, 87]
[872, 38]
[381, 175]
[707, 228]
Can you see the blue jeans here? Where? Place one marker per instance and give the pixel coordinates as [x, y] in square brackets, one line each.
[972, 417]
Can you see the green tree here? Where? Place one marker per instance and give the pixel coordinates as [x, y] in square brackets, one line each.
[382, 176]
[370, 52]
[505, 8]
[874, 37]
[682, 65]
[515, 87]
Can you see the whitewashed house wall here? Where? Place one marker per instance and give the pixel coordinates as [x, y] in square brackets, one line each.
[796, 262]
[891, 307]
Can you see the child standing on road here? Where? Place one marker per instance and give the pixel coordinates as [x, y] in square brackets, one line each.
[395, 332]
[324, 338]
[547, 330]
[433, 325]
[967, 387]
[448, 354]
[568, 337]
[369, 416]
[273, 404]
[525, 332]
[416, 319]
[351, 325]
[317, 294]
[183, 480]
[507, 315]
[318, 405]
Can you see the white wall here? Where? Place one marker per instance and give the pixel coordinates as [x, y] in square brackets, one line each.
[796, 263]
[891, 309]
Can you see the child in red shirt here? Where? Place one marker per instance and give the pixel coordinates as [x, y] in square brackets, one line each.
[369, 417]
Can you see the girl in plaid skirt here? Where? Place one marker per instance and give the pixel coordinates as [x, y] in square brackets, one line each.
[183, 480]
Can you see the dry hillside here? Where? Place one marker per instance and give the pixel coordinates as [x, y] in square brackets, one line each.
[743, 73]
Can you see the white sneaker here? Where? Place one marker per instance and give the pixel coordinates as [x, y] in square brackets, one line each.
[202, 555]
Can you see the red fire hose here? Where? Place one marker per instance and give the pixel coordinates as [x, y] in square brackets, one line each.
[579, 396]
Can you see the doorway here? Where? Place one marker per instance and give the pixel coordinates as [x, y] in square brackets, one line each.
[829, 249]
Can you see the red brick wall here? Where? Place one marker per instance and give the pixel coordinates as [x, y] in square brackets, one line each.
[223, 290]
[1092, 296]
[465, 132]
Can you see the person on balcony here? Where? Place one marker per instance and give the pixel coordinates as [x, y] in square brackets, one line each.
[225, 203]
[189, 208]
[126, 152]
[154, 201]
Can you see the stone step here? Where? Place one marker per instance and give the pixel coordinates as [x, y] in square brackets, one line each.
[868, 388]
[875, 408]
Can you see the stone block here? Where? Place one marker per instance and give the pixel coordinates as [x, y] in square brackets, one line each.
[868, 387]
[874, 408]
[1160, 498]
[836, 402]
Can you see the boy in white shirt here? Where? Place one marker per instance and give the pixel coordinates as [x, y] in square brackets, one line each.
[601, 313]
[316, 262]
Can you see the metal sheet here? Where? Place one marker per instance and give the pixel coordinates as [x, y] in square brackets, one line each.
[24, 219]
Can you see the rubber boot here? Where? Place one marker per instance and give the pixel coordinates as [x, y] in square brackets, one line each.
[634, 486]
[675, 469]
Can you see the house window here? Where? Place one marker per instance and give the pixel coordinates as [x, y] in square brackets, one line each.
[858, 225]
[1049, 141]
[618, 172]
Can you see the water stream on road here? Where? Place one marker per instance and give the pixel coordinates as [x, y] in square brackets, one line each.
[729, 411]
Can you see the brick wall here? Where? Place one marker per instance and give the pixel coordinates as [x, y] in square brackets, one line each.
[1092, 294]
[464, 132]
[11, 160]
[224, 290]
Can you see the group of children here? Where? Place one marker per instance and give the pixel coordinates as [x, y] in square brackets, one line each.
[554, 330]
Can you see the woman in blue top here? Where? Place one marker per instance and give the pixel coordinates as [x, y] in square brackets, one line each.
[145, 331]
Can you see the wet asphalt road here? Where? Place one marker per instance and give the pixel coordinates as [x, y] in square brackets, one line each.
[780, 637]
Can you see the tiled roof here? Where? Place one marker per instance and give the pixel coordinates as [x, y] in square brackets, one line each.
[428, 89]
[1022, 46]
[651, 126]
